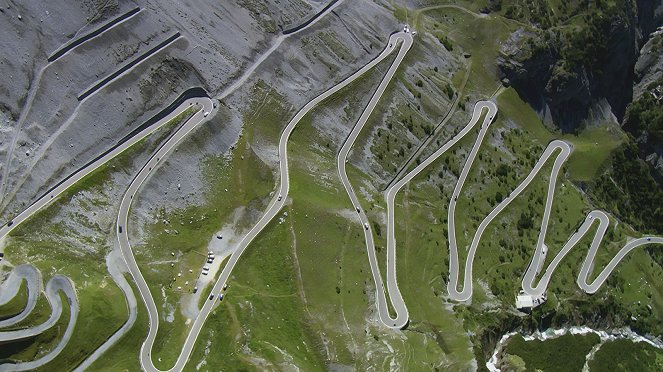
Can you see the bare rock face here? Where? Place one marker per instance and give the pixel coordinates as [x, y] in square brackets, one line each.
[563, 81]
[48, 131]
[649, 67]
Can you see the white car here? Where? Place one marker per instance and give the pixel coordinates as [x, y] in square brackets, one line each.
[280, 197]
[206, 113]
[366, 225]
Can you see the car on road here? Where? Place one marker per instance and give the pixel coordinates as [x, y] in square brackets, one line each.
[221, 297]
[206, 113]
[280, 197]
[366, 225]
[10, 223]
[357, 210]
[120, 229]
[211, 297]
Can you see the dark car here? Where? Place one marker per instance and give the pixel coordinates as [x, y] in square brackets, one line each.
[120, 229]
[10, 223]
[211, 297]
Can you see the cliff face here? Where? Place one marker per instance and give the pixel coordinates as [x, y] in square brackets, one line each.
[564, 70]
[644, 117]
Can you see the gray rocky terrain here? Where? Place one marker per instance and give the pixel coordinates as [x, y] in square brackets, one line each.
[48, 132]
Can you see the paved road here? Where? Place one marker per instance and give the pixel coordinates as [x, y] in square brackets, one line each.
[123, 218]
[275, 205]
[395, 296]
[390, 194]
[53, 194]
[466, 293]
[563, 150]
[10, 287]
[116, 267]
[56, 284]
[124, 245]
[32, 92]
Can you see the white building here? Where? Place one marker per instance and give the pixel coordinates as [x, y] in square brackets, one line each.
[525, 302]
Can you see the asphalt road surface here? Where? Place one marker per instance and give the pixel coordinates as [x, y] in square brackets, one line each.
[395, 296]
[273, 209]
[46, 199]
[390, 193]
[10, 287]
[401, 41]
[57, 284]
[117, 267]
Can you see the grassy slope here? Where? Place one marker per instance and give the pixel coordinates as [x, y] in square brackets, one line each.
[334, 298]
[565, 353]
[123, 356]
[38, 346]
[592, 149]
[248, 181]
[102, 304]
[16, 305]
[624, 355]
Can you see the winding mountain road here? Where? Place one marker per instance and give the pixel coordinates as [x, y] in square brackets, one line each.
[564, 150]
[10, 287]
[395, 296]
[205, 107]
[275, 205]
[57, 284]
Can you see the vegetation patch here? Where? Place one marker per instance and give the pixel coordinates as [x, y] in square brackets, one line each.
[626, 355]
[564, 353]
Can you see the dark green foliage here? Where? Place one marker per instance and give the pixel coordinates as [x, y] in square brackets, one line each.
[646, 116]
[630, 192]
[447, 44]
[449, 91]
[565, 353]
[525, 221]
[625, 355]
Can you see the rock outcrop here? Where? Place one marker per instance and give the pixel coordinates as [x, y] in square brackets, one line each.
[564, 74]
